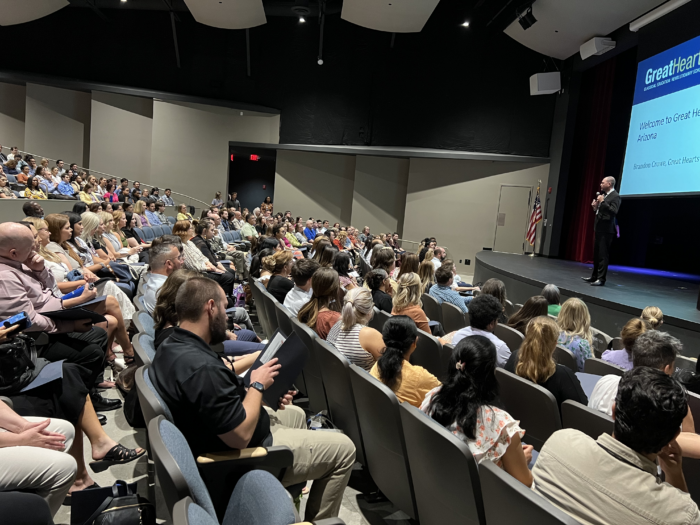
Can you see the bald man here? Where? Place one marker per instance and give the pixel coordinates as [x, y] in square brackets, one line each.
[26, 285]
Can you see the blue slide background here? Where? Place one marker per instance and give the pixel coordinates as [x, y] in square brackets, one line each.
[668, 161]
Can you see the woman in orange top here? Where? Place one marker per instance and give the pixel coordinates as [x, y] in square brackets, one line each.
[407, 301]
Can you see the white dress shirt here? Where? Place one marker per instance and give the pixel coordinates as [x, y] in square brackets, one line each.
[296, 298]
[150, 295]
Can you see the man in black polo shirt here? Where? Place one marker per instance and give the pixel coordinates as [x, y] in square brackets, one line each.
[212, 409]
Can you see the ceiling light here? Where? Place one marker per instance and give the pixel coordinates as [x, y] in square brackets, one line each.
[466, 23]
[123, 1]
[301, 20]
[527, 19]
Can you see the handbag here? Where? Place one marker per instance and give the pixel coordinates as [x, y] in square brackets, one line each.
[18, 364]
[115, 505]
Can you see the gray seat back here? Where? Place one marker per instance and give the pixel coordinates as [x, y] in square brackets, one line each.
[283, 321]
[452, 318]
[429, 355]
[616, 343]
[505, 496]
[383, 437]
[335, 369]
[144, 323]
[601, 340]
[510, 336]
[152, 405]
[563, 356]
[431, 307]
[260, 307]
[313, 379]
[176, 467]
[534, 406]
[590, 421]
[271, 312]
[598, 367]
[144, 349]
[434, 453]
[378, 319]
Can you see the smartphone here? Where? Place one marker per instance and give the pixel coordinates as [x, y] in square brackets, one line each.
[21, 320]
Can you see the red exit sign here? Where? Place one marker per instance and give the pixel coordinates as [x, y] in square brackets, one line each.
[255, 157]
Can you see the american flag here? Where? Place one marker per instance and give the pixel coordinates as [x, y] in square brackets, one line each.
[535, 217]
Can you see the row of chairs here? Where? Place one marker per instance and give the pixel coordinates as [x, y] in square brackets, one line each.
[148, 233]
[404, 450]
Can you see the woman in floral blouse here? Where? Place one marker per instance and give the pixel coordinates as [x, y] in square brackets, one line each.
[266, 206]
[464, 404]
[575, 324]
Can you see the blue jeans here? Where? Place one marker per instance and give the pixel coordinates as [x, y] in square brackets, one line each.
[245, 344]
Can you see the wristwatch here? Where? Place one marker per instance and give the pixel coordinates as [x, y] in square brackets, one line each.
[258, 386]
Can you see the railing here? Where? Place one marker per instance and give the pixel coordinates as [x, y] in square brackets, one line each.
[189, 199]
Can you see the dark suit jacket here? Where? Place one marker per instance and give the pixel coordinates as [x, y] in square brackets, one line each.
[605, 218]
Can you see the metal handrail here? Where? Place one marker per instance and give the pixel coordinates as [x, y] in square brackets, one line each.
[91, 171]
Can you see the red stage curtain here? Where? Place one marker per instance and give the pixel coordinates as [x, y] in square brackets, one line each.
[588, 166]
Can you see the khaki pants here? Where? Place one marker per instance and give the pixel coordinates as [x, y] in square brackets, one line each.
[48, 473]
[324, 457]
[238, 259]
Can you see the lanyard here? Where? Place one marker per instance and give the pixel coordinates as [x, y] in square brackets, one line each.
[624, 460]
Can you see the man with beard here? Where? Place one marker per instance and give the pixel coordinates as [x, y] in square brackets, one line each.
[212, 408]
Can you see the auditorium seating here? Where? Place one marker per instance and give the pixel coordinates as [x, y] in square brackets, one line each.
[453, 318]
[565, 357]
[430, 355]
[312, 371]
[432, 309]
[378, 319]
[534, 406]
[144, 349]
[590, 421]
[284, 321]
[510, 336]
[599, 367]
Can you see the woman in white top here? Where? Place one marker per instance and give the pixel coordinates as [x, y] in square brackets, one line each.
[112, 243]
[360, 344]
[464, 405]
[55, 240]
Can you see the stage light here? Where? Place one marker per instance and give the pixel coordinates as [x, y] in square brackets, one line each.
[302, 20]
[466, 23]
[123, 1]
[527, 19]
[320, 61]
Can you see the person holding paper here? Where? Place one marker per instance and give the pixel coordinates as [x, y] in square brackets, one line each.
[212, 408]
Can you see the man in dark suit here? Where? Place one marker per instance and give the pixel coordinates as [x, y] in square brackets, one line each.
[606, 206]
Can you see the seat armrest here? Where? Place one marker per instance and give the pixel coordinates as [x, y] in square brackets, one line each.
[221, 471]
[7, 401]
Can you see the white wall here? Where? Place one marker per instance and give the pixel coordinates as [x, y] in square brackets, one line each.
[12, 112]
[57, 124]
[379, 198]
[190, 144]
[316, 185]
[120, 135]
[456, 201]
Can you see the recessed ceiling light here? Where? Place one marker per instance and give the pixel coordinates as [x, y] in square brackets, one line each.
[466, 23]
[302, 20]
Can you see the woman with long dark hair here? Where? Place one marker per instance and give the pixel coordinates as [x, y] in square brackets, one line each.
[410, 383]
[323, 309]
[379, 284]
[465, 405]
[342, 263]
[497, 288]
[533, 307]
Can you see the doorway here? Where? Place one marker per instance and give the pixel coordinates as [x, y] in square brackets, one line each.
[512, 219]
[251, 174]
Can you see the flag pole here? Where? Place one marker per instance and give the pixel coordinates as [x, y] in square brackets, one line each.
[534, 243]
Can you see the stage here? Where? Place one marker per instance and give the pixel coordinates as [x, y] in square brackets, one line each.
[626, 293]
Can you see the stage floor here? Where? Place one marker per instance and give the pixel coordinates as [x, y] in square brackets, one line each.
[626, 291]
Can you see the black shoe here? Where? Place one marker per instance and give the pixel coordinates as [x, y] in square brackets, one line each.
[588, 279]
[102, 404]
[598, 283]
[102, 419]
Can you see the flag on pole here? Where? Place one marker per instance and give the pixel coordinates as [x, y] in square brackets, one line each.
[535, 217]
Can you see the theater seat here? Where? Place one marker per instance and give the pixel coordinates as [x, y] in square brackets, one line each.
[590, 421]
[157, 231]
[144, 349]
[510, 336]
[167, 229]
[506, 500]
[432, 308]
[236, 236]
[378, 319]
[599, 367]
[148, 234]
[284, 323]
[534, 406]
[429, 355]
[315, 389]
[564, 357]
[172, 220]
[453, 318]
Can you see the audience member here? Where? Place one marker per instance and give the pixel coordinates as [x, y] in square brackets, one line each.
[497, 289]
[32, 209]
[466, 405]
[575, 324]
[533, 307]
[426, 274]
[310, 231]
[164, 259]
[442, 291]
[629, 334]
[302, 274]
[614, 479]
[233, 201]
[654, 316]
[534, 361]
[227, 252]
[266, 206]
[248, 231]
[438, 256]
[342, 263]
[484, 312]
[152, 216]
[238, 342]
[129, 230]
[216, 201]
[167, 198]
[410, 383]
[5, 191]
[33, 191]
[379, 284]
[551, 293]
[183, 214]
[384, 259]
[407, 301]
[323, 309]
[213, 410]
[360, 344]
[279, 265]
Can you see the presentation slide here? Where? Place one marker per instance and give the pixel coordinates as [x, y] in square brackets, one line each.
[663, 145]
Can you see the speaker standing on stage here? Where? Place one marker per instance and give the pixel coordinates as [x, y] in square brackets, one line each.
[606, 205]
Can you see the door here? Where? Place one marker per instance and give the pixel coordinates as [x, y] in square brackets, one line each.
[512, 219]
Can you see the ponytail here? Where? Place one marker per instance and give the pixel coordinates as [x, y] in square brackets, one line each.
[358, 308]
[399, 334]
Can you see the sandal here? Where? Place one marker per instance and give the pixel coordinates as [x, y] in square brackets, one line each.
[117, 455]
[128, 359]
